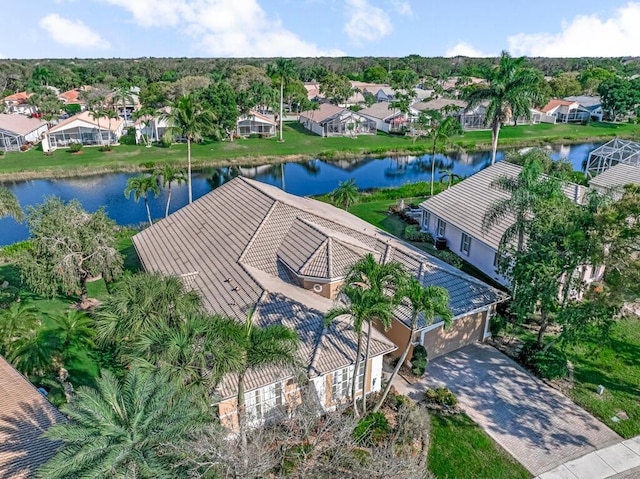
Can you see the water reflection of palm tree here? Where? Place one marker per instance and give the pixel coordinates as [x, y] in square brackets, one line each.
[277, 171]
[218, 176]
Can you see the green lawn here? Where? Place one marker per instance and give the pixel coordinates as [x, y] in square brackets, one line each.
[616, 366]
[459, 449]
[298, 145]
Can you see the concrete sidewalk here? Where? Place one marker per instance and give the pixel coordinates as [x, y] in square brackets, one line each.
[620, 461]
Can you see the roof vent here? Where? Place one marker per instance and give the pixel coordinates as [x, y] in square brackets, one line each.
[317, 288]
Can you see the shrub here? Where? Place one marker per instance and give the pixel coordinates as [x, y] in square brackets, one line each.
[413, 233]
[497, 324]
[166, 140]
[24, 147]
[75, 147]
[72, 109]
[1, 152]
[105, 148]
[419, 360]
[8, 295]
[371, 429]
[441, 397]
[549, 364]
[148, 164]
[449, 257]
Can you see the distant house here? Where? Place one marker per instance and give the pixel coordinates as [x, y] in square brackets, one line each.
[17, 130]
[256, 124]
[592, 104]
[249, 246]
[564, 111]
[74, 97]
[83, 128]
[331, 120]
[125, 107]
[25, 415]
[613, 180]
[18, 103]
[389, 119]
[457, 215]
[469, 118]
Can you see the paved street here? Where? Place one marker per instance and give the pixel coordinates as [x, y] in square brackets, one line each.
[536, 424]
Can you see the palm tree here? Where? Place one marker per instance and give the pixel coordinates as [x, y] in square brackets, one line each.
[18, 320]
[385, 281]
[170, 175]
[512, 90]
[110, 115]
[140, 303]
[346, 194]
[122, 95]
[141, 186]
[121, 428]
[274, 345]
[282, 71]
[145, 116]
[9, 205]
[430, 301]
[190, 120]
[439, 132]
[525, 192]
[97, 112]
[448, 176]
[73, 328]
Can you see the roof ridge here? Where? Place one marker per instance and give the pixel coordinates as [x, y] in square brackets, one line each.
[314, 255]
[329, 259]
[260, 226]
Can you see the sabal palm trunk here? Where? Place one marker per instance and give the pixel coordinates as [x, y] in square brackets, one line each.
[100, 132]
[366, 363]
[281, 107]
[354, 378]
[166, 211]
[146, 204]
[495, 132]
[242, 423]
[396, 370]
[189, 169]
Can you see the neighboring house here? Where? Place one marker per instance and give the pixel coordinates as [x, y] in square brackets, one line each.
[74, 97]
[564, 111]
[153, 127]
[592, 104]
[18, 103]
[457, 215]
[248, 246]
[17, 130]
[610, 154]
[389, 119]
[126, 107]
[83, 128]
[384, 94]
[25, 415]
[332, 120]
[613, 180]
[469, 118]
[256, 124]
[313, 91]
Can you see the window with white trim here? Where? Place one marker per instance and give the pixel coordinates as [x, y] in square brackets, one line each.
[262, 403]
[442, 227]
[341, 386]
[426, 220]
[465, 244]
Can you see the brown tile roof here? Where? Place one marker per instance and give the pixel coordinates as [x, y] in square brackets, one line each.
[439, 104]
[86, 117]
[25, 415]
[20, 124]
[71, 96]
[555, 104]
[20, 97]
[323, 113]
[236, 238]
[381, 111]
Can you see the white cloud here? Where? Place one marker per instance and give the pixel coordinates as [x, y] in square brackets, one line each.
[586, 35]
[366, 22]
[72, 32]
[235, 28]
[402, 7]
[464, 49]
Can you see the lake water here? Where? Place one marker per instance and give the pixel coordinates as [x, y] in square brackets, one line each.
[309, 178]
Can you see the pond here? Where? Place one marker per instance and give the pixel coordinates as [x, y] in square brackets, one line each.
[308, 178]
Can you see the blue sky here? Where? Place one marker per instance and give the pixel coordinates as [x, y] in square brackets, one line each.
[238, 28]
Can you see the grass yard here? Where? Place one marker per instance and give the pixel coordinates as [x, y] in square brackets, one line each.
[298, 145]
[459, 449]
[616, 366]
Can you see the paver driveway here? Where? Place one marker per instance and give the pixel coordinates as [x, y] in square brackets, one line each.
[536, 424]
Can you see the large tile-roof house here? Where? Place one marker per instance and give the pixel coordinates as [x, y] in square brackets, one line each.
[332, 120]
[17, 130]
[613, 180]
[389, 119]
[457, 214]
[564, 111]
[255, 123]
[249, 246]
[25, 415]
[83, 128]
[18, 103]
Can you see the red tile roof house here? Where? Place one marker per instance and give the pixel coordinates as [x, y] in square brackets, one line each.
[250, 246]
[18, 103]
[85, 129]
[74, 97]
[332, 120]
[17, 130]
[25, 415]
[564, 111]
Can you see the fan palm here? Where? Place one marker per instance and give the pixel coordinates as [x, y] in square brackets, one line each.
[513, 89]
[170, 175]
[346, 194]
[189, 119]
[430, 301]
[282, 71]
[121, 428]
[141, 186]
[9, 205]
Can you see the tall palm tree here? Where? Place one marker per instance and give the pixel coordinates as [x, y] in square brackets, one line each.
[170, 175]
[189, 119]
[282, 71]
[273, 345]
[110, 115]
[385, 281]
[525, 191]
[346, 194]
[9, 205]
[98, 112]
[121, 428]
[513, 89]
[430, 301]
[121, 96]
[439, 132]
[141, 186]
[145, 116]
